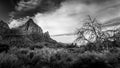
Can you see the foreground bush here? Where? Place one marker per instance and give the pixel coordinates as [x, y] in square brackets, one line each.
[8, 61]
[59, 58]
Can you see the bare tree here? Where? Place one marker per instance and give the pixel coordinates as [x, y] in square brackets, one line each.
[92, 27]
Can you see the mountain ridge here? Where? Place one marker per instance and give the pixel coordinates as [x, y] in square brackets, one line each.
[28, 33]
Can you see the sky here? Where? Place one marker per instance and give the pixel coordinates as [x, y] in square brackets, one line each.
[58, 16]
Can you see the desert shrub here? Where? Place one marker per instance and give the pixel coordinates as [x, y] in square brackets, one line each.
[37, 46]
[88, 60]
[77, 50]
[59, 58]
[22, 51]
[25, 56]
[71, 46]
[40, 45]
[4, 47]
[95, 59]
[8, 61]
[47, 44]
[45, 54]
[62, 59]
[41, 57]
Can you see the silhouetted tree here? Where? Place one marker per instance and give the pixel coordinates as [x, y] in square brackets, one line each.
[91, 27]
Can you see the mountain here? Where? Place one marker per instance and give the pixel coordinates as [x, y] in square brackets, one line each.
[3, 27]
[34, 32]
[23, 36]
[48, 38]
[30, 27]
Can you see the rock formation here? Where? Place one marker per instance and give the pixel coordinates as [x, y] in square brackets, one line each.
[23, 36]
[30, 27]
[3, 28]
[34, 32]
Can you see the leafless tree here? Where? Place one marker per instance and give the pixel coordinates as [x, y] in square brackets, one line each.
[90, 26]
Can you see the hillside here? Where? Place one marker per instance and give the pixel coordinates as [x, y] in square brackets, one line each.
[27, 34]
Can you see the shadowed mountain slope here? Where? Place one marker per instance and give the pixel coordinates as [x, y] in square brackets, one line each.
[34, 32]
[27, 34]
[30, 27]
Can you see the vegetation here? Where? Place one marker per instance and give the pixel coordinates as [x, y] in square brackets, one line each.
[98, 39]
[101, 51]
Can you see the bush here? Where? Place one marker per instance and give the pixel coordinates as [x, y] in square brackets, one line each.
[59, 58]
[8, 61]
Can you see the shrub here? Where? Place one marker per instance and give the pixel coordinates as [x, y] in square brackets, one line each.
[8, 61]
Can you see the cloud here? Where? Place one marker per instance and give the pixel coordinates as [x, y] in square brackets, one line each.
[31, 7]
[70, 14]
[6, 7]
[66, 19]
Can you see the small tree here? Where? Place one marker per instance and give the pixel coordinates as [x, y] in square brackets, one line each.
[91, 27]
[98, 39]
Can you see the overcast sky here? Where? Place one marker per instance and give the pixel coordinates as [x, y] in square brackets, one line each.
[60, 16]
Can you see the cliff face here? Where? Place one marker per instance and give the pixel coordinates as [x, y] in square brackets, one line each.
[30, 27]
[34, 32]
[48, 38]
[3, 27]
[28, 34]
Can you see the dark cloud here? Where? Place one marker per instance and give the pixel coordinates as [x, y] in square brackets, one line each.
[23, 8]
[6, 6]
[31, 7]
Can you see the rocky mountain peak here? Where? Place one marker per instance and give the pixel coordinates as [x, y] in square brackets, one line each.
[34, 32]
[31, 27]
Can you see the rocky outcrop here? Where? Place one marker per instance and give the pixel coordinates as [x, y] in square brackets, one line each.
[27, 34]
[48, 38]
[3, 27]
[30, 27]
[34, 32]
